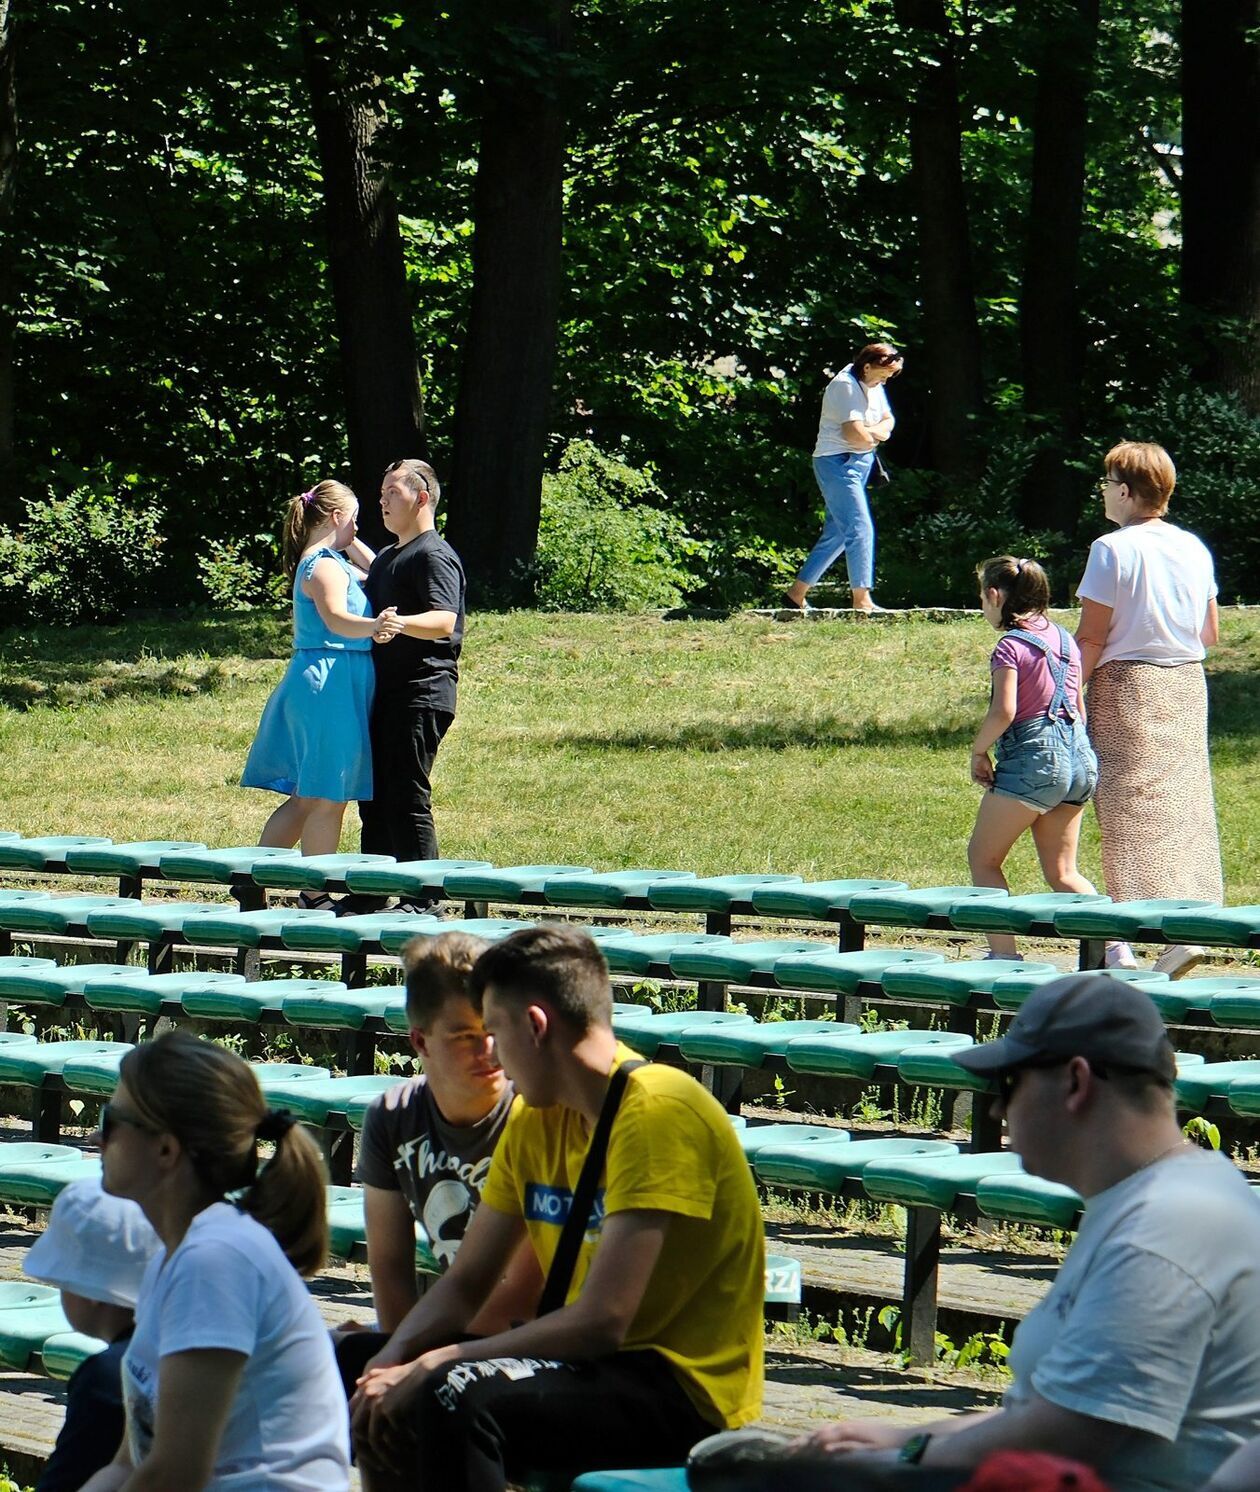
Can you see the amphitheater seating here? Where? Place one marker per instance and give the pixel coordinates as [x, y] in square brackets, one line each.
[1134, 921]
[418, 880]
[667, 1479]
[29, 1315]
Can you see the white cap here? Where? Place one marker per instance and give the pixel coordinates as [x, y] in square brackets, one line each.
[95, 1245]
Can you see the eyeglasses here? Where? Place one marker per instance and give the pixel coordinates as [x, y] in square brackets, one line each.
[888, 359]
[1009, 1081]
[1110, 482]
[112, 1117]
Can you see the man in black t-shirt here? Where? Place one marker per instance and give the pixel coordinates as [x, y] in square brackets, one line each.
[420, 576]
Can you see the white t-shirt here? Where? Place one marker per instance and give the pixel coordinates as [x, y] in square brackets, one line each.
[1153, 1321]
[848, 398]
[229, 1286]
[1158, 580]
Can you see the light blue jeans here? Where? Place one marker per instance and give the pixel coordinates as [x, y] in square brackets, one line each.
[848, 528]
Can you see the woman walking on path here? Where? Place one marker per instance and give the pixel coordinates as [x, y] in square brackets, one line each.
[312, 741]
[1148, 614]
[1046, 769]
[229, 1382]
[856, 420]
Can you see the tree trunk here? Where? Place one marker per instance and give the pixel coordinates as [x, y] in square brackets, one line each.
[503, 414]
[384, 410]
[10, 507]
[1050, 317]
[951, 352]
[1220, 196]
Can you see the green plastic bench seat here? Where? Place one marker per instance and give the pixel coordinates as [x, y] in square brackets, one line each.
[915, 908]
[220, 867]
[783, 1280]
[349, 934]
[1016, 1197]
[1244, 1096]
[506, 883]
[1018, 914]
[17, 964]
[648, 1033]
[613, 889]
[56, 914]
[30, 1065]
[146, 921]
[934, 1067]
[29, 1315]
[1011, 990]
[662, 1479]
[346, 1227]
[246, 929]
[491, 928]
[1235, 927]
[754, 1138]
[17, 1038]
[38, 1183]
[344, 1010]
[313, 872]
[749, 1046]
[935, 1181]
[132, 858]
[418, 878]
[858, 1056]
[96, 1072]
[1197, 1086]
[639, 953]
[834, 973]
[51, 986]
[711, 893]
[9, 834]
[736, 963]
[955, 981]
[44, 850]
[824, 1167]
[137, 993]
[67, 1350]
[820, 899]
[246, 1002]
[36, 1153]
[631, 1007]
[1121, 919]
[313, 1100]
[1230, 1002]
[13, 898]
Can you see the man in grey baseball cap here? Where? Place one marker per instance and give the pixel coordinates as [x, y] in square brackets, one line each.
[1143, 1360]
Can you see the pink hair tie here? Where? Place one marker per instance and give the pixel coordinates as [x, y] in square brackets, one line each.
[308, 498]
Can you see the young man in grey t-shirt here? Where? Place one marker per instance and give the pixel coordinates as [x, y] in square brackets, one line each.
[426, 1148]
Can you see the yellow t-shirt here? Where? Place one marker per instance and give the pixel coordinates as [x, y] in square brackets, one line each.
[673, 1149]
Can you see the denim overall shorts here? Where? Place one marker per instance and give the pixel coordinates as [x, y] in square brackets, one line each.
[1047, 760]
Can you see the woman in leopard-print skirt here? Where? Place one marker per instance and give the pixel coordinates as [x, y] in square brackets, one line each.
[1148, 614]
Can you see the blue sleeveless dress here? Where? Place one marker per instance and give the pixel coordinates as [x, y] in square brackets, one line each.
[312, 739]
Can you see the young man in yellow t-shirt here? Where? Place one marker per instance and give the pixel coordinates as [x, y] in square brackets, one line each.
[659, 1342]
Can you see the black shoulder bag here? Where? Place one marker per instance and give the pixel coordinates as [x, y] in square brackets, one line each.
[560, 1275]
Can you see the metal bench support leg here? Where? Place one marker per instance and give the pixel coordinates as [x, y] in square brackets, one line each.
[710, 995]
[162, 956]
[918, 1305]
[46, 1117]
[851, 935]
[359, 1053]
[354, 970]
[986, 1128]
[1093, 952]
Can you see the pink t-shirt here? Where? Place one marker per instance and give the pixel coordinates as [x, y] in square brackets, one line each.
[1034, 683]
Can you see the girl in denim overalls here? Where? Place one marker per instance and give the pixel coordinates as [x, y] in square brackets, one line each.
[1045, 770]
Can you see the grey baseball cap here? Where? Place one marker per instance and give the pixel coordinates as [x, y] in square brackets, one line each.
[1094, 1016]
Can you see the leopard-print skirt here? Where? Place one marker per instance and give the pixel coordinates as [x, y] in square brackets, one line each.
[1154, 800]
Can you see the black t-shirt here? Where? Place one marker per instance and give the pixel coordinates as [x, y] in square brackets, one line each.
[94, 1422]
[423, 575]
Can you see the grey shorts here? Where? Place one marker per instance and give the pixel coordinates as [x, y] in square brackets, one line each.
[1044, 763]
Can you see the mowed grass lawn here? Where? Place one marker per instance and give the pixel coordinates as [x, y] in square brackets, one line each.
[821, 748]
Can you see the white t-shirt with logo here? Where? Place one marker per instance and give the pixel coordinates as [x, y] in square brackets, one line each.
[1157, 579]
[848, 398]
[1153, 1322]
[229, 1286]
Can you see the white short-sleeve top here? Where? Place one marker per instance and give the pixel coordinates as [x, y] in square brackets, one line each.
[1157, 579]
[848, 398]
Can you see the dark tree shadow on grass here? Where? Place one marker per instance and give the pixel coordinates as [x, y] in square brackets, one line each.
[780, 734]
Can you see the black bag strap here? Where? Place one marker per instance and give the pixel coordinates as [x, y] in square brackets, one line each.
[564, 1261]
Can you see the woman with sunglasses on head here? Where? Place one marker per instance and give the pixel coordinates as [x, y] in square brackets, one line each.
[229, 1382]
[312, 741]
[856, 421]
[1148, 615]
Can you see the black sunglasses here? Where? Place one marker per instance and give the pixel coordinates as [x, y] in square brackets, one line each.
[111, 1118]
[1009, 1081]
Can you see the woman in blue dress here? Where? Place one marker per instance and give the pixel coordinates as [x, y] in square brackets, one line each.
[312, 741]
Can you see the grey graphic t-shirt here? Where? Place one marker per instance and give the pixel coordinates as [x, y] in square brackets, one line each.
[440, 1168]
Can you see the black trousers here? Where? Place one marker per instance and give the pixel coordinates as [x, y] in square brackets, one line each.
[405, 738]
[482, 1423]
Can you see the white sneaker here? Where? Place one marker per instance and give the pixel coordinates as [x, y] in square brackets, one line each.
[1119, 956]
[1178, 960]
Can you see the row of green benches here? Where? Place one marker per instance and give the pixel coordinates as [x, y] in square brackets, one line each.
[852, 903]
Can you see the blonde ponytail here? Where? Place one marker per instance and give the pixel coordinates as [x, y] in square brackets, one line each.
[304, 515]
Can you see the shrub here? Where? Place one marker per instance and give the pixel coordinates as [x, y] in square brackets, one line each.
[237, 581]
[603, 543]
[87, 556]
